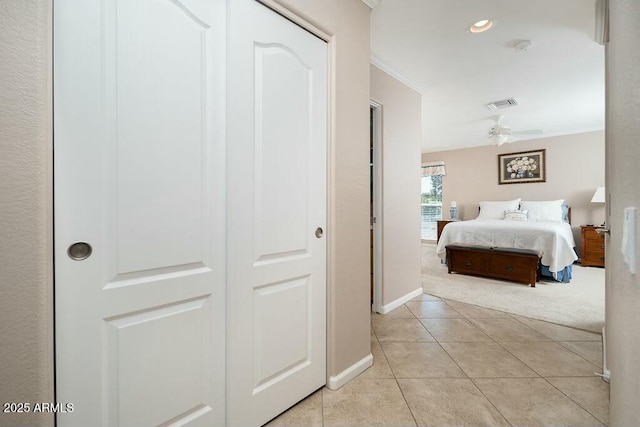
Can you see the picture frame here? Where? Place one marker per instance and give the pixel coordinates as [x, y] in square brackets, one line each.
[522, 167]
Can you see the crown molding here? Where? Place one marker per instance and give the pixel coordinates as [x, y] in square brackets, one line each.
[375, 60]
[371, 3]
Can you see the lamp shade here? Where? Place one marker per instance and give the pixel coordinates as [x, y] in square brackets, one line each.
[598, 196]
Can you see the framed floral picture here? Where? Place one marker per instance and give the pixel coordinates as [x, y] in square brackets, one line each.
[522, 167]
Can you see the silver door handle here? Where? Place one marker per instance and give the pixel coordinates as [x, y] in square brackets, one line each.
[319, 232]
[603, 230]
[79, 251]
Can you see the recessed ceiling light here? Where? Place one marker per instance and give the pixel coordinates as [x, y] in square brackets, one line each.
[481, 26]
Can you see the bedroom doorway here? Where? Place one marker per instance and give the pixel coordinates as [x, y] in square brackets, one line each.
[375, 198]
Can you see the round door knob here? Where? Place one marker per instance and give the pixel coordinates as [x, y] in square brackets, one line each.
[79, 251]
[319, 232]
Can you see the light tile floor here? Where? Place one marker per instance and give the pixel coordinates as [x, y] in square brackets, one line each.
[445, 363]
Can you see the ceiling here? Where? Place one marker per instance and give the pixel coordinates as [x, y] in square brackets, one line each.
[558, 81]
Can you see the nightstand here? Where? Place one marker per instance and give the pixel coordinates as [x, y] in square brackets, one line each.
[592, 247]
[441, 224]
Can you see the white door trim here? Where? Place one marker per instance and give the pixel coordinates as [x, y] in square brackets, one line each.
[377, 205]
[297, 19]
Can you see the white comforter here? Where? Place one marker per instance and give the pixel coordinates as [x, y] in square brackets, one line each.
[553, 239]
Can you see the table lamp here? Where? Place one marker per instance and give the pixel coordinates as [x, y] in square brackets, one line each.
[599, 196]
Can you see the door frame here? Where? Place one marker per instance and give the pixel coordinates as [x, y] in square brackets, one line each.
[378, 223]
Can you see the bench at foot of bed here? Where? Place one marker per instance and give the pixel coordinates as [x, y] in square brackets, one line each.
[518, 265]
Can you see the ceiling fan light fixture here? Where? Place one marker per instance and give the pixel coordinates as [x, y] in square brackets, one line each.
[500, 139]
[522, 45]
[481, 26]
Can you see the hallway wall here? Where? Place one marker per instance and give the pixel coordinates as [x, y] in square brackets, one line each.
[26, 275]
[401, 136]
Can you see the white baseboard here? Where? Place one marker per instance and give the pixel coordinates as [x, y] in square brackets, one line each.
[606, 373]
[397, 303]
[350, 373]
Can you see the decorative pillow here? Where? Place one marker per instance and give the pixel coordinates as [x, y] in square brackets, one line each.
[565, 212]
[516, 215]
[495, 210]
[544, 211]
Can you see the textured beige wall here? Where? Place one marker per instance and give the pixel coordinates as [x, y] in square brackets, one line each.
[575, 168]
[623, 182]
[401, 136]
[26, 305]
[349, 306]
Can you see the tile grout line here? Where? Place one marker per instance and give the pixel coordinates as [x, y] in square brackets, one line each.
[387, 359]
[552, 385]
[533, 329]
[571, 399]
[383, 354]
[465, 373]
[395, 378]
[492, 339]
[406, 402]
[472, 379]
[489, 400]
[522, 361]
[501, 346]
[515, 316]
[554, 342]
[578, 354]
[468, 319]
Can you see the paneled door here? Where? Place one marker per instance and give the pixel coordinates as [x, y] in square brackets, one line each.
[276, 242]
[140, 211]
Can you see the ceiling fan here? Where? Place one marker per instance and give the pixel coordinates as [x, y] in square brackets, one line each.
[499, 133]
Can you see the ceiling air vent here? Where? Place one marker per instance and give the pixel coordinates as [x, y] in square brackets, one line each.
[503, 103]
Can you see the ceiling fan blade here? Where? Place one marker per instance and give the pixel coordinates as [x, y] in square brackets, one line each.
[527, 132]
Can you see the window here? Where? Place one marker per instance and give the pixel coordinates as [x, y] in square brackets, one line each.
[431, 205]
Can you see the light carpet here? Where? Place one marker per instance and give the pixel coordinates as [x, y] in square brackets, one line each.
[579, 304]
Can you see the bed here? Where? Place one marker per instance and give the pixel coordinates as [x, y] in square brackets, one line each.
[539, 228]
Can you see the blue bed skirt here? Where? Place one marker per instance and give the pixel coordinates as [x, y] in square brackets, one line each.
[563, 275]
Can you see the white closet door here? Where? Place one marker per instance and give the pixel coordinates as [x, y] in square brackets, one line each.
[277, 124]
[139, 178]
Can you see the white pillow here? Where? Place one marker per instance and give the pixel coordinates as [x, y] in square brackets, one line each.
[516, 215]
[543, 211]
[495, 210]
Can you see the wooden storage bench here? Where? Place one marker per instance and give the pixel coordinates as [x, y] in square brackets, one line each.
[518, 265]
